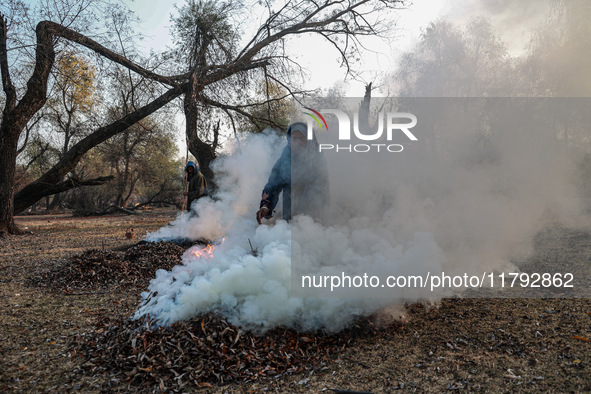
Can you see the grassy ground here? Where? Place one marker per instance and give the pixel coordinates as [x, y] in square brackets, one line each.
[470, 344]
[35, 324]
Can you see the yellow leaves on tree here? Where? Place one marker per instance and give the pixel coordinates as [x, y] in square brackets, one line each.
[74, 82]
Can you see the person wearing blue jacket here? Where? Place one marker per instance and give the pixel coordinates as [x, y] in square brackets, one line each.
[301, 174]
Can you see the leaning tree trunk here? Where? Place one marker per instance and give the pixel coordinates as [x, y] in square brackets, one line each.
[16, 115]
[52, 181]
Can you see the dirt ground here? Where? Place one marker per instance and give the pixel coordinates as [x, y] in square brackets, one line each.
[516, 344]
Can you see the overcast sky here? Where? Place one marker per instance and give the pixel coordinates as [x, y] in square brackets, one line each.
[318, 57]
[513, 21]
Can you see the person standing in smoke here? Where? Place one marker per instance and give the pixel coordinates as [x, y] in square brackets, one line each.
[197, 186]
[301, 174]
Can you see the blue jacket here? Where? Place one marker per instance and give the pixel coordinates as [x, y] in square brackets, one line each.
[308, 191]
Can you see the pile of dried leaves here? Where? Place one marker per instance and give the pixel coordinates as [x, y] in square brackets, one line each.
[206, 350]
[97, 268]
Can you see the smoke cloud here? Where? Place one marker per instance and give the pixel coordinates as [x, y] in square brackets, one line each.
[251, 290]
[459, 200]
[468, 197]
[514, 21]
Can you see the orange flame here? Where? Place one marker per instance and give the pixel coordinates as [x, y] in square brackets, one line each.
[206, 252]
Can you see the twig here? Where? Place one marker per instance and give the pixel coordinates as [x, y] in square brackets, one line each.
[253, 251]
[89, 293]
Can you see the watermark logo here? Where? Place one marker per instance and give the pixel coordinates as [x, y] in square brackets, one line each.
[318, 115]
[392, 123]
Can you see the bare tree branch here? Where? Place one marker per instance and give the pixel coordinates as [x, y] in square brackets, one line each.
[76, 37]
[239, 110]
[6, 81]
[28, 129]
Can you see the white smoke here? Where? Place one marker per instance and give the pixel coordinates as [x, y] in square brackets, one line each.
[513, 21]
[241, 175]
[461, 200]
[460, 209]
[252, 290]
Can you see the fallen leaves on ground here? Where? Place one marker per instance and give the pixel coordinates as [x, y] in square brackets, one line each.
[207, 350]
[99, 269]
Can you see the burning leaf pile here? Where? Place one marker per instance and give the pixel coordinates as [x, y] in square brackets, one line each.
[105, 269]
[207, 350]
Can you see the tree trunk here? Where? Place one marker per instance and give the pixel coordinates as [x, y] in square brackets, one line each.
[203, 152]
[8, 145]
[131, 190]
[56, 202]
[205, 155]
[364, 124]
[15, 116]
